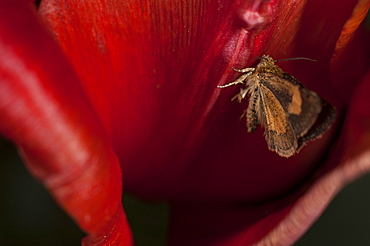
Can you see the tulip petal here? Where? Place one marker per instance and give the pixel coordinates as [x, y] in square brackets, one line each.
[354, 163]
[349, 29]
[283, 221]
[155, 91]
[150, 70]
[348, 56]
[45, 112]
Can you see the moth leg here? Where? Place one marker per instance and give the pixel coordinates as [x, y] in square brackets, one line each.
[241, 95]
[245, 70]
[252, 111]
[239, 80]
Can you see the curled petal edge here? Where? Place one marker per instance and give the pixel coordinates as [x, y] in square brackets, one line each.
[309, 208]
[46, 114]
[358, 15]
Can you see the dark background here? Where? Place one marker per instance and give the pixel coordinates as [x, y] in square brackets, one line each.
[30, 217]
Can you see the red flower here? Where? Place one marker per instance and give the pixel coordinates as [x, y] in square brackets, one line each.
[131, 86]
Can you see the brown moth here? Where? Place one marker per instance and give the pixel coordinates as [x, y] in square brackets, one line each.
[290, 113]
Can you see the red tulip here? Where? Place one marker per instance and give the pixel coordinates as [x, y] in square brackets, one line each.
[100, 95]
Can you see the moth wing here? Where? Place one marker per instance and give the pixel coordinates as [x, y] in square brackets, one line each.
[301, 105]
[279, 133]
[254, 111]
[324, 120]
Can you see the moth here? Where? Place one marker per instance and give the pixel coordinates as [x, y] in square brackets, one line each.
[290, 113]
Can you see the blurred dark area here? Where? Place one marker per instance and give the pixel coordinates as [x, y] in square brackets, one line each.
[37, 3]
[30, 217]
[346, 220]
[28, 214]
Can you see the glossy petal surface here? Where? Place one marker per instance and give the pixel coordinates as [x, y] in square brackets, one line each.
[146, 92]
[155, 89]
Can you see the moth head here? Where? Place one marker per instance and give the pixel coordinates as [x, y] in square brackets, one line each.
[266, 60]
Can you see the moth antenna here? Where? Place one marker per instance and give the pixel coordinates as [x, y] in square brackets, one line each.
[295, 58]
